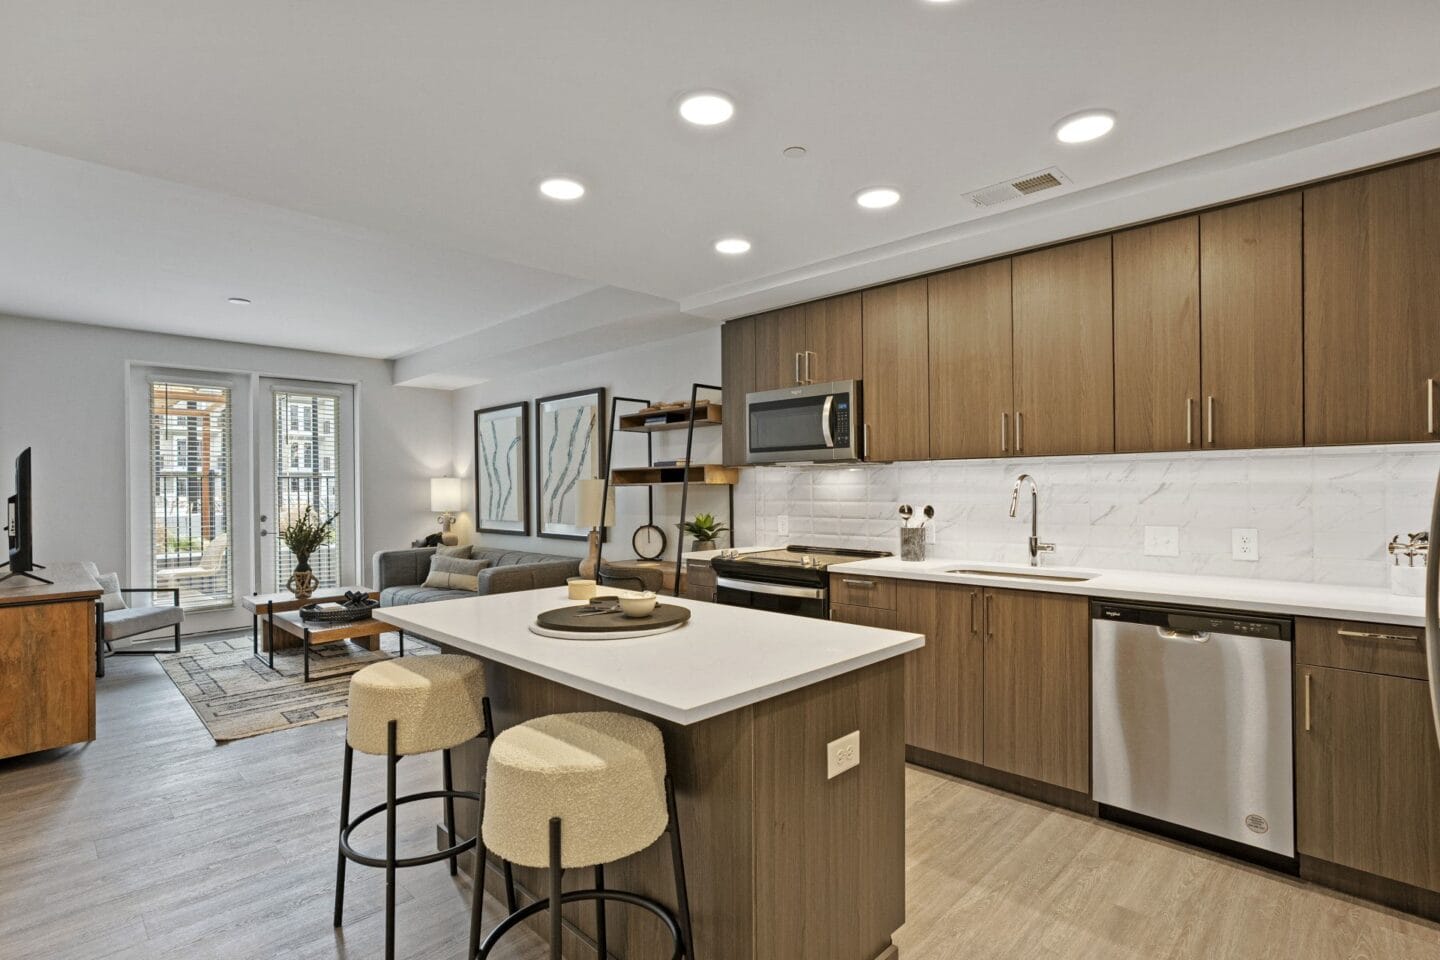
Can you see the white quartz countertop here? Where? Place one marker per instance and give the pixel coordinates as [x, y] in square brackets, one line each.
[1224, 593]
[724, 658]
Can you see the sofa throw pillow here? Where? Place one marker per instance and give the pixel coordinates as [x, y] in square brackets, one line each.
[462, 551]
[110, 597]
[452, 573]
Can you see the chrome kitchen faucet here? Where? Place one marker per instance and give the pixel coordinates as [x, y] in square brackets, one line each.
[1036, 547]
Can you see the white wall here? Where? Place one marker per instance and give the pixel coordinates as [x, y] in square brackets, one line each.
[1323, 514]
[659, 371]
[62, 392]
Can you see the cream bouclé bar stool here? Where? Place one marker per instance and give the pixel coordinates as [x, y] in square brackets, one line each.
[576, 790]
[399, 708]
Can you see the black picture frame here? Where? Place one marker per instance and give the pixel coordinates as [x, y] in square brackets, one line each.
[492, 508]
[554, 502]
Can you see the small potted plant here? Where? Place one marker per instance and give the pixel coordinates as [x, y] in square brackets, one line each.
[704, 529]
[305, 534]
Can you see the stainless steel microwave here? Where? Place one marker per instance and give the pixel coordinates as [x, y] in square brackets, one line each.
[817, 422]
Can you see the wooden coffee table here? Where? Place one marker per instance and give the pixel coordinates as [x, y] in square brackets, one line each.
[263, 606]
[313, 634]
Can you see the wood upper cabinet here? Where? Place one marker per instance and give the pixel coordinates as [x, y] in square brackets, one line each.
[1372, 306]
[780, 348]
[945, 679]
[972, 399]
[1037, 686]
[896, 402]
[1367, 774]
[737, 378]
[1064, 350]
[833, 338]
[1251, 352]
[1157, 336]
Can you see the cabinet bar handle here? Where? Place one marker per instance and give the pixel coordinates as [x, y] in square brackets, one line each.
[1210, 420]
[867, 584]
[989, 620]
[1189, 421]
[865, 446]
[1363, 635]
[1019, 431]
[808, 354]
[1004, 431]
[1307, 702]
[1430, 405]
[974, 609]
[797, 368]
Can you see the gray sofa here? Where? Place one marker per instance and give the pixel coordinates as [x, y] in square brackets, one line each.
[400, 574]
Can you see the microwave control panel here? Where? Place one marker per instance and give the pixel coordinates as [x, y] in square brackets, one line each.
[842, 420]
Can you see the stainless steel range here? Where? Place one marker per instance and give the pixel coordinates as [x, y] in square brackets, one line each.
[791, 579]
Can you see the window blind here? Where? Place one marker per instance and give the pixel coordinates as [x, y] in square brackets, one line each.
[190, 447]
[306, 474]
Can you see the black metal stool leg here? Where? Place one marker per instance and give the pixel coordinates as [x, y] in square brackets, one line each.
[682, 893]
[556, 874]
[602, 946]
[477, 886]
[450, 811]
[512, 903]
[392, 759]
[344, 822]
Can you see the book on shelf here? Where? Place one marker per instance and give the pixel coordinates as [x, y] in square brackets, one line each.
[679, 462]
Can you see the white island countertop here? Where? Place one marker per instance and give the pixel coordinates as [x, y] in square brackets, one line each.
[724, 658]
[1287, 598]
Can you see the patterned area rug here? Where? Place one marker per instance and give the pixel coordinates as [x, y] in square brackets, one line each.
[237, 696]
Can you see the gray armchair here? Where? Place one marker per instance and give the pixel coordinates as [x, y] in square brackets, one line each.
[129, 623]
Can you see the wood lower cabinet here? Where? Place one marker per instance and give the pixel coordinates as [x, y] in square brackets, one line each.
[1372, 306]
[1157, 336]
[699, 581]
[1251, 354]
[1037, 686]
[1367, 774]
[896, 405]
[945, 679]
[737, 368]
[1064, 336]
[972, 398]
[864, 616]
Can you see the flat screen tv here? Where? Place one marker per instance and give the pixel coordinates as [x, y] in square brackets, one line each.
[18, 525]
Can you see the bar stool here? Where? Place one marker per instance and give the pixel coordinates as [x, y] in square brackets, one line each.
[577, 790]
[399, 708]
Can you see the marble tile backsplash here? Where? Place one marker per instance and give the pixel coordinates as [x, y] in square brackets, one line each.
[1323, 514]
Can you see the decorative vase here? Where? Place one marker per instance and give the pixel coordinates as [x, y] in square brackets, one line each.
[696, 546]
[302, 582]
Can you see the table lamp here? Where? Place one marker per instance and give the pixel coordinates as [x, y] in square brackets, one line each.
[447, 496]
[588, 514]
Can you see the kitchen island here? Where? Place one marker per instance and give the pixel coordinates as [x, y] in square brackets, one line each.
[783, 861]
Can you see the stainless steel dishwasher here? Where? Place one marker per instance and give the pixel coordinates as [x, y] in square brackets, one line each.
[1191, 720]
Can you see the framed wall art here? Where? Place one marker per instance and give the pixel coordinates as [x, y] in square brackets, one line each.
[502, 463]
[569, 447]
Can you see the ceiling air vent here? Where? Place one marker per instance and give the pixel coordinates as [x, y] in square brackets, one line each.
[993, 196]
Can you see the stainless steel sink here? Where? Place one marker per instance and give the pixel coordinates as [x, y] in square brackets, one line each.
[1055, 576]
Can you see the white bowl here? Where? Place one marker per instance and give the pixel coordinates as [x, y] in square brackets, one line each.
[636, 604]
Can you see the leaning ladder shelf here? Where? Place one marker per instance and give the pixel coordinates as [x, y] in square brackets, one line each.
[699, 413]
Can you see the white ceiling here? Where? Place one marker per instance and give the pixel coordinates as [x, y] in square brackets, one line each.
[365, 170]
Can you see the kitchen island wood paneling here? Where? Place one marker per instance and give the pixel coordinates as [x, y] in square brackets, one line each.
[783, 863]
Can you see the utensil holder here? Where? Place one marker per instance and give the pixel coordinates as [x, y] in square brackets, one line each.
[912, 543]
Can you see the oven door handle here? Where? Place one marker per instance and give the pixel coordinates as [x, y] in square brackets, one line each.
[825, 421]
[773, 589]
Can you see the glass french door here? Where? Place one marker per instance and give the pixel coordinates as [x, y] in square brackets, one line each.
[305, 460]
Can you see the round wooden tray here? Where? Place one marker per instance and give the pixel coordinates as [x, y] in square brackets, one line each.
[570, 619]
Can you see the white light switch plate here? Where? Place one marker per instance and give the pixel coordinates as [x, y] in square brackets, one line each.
[842, 754]
[1162, 541]
[782, 525]
[1244, 543]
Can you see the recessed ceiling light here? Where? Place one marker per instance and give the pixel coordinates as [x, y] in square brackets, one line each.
[237, 300]
[732, 246]
[562, 188]
[707, 109]
[794, 153]
[1082, 127]
[877, 198]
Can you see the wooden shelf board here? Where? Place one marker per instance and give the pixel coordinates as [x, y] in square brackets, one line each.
[707, 415]
[699, 474]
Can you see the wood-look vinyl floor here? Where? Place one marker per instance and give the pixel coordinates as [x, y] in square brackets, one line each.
[153, 843]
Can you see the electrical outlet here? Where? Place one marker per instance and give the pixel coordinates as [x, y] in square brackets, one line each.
[1244, 543]
[1162, 541]
[930, 529]
[842, 754]
[782, 525]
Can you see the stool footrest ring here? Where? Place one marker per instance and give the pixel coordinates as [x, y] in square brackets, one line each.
[573, 896]
[352, 854]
